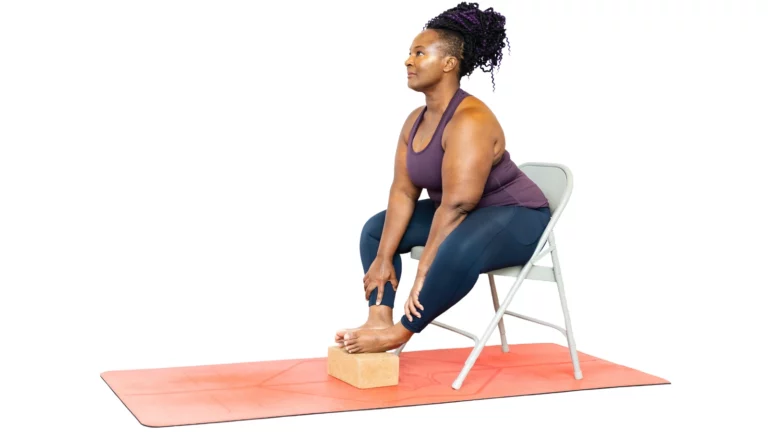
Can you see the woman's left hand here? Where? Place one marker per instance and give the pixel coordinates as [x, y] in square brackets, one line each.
[412, 305]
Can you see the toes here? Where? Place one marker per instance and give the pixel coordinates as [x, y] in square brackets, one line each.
[351, 342]
[341, 336]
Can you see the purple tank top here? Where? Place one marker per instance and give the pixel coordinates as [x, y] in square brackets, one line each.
[506, 184]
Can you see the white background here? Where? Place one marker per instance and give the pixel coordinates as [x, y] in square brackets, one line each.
[184, 183]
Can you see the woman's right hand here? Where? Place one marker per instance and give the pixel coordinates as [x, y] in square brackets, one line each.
[379, 273]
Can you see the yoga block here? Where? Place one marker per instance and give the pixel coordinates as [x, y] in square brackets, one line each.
[364, 370]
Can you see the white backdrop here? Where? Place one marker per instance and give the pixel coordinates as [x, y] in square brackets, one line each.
[184, 183]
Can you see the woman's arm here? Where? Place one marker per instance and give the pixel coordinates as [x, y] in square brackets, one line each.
[403, 195]
[469, 154]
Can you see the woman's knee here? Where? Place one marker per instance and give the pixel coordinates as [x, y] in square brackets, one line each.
[374, 226]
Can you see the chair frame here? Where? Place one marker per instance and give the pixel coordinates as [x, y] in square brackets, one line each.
[527, 271]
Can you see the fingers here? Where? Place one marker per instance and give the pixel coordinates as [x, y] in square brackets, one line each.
[407, 310]
[394, 283]
[369, 287]
[412, 305]
[417, 304]
[380, 293]
[414, 310]
[372, 285]
[410, 310]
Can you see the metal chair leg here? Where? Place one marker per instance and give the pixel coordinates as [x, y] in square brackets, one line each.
[500, 311]
[400, 349]
[566, 315]
[502, 331]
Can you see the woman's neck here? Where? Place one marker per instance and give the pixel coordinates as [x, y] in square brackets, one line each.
[438, 98]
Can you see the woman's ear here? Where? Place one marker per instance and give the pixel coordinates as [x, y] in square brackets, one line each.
[450, 64]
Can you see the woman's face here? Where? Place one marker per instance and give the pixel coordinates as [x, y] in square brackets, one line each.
[427, 63]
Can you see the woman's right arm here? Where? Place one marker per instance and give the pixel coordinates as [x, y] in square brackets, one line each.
[403, 195]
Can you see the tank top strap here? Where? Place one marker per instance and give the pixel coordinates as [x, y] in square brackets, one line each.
[451, 109]
[453, 104]
[415, 127]
[437, 138]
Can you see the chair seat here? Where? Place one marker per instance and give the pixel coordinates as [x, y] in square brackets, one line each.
[541, 273]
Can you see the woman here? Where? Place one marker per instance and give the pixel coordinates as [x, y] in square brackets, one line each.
[483, 213]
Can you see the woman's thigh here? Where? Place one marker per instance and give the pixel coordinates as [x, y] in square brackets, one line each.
[494, 237]
[417, 231]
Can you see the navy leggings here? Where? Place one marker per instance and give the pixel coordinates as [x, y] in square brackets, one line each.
[489, 238]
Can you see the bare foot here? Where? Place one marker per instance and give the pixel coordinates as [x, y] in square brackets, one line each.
[369, 325]
[376, 340]
[379, 318]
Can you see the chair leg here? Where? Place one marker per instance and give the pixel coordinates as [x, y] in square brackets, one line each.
[566, 315]
[489, 330]
[400, 349]
[502, 331]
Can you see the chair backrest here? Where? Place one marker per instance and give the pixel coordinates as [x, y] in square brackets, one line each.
[555, 180]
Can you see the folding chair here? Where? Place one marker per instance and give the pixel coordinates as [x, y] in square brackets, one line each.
[556, 181]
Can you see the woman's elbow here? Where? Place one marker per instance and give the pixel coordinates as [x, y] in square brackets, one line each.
[461, 206]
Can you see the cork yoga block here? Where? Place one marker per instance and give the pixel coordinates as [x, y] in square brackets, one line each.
[365, 370]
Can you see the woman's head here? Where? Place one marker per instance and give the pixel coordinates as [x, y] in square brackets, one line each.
[454, 44]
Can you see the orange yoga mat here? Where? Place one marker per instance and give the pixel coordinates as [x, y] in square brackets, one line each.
[246, 391]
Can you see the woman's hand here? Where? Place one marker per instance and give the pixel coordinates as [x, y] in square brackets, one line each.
[412, 305]
[379, 273]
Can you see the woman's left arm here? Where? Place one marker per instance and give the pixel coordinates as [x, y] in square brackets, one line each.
[466, 165]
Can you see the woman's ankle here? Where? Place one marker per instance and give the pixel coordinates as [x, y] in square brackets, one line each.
[380, 315]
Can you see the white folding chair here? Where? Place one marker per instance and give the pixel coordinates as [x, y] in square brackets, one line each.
[556, 181]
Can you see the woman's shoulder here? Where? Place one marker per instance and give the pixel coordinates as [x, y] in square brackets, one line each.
[474, 107]
[414, 114]
[473, 112]
[410, 120]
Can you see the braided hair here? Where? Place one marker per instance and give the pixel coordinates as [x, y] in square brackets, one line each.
[473, 36]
